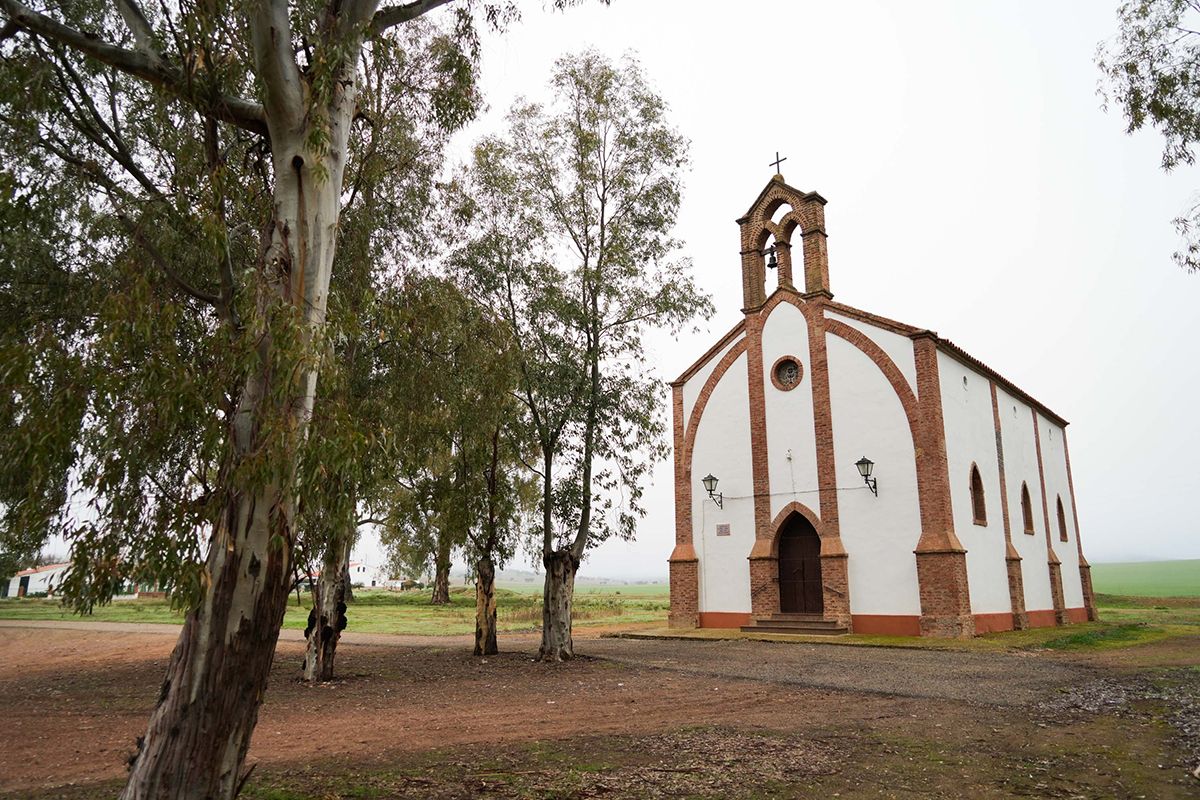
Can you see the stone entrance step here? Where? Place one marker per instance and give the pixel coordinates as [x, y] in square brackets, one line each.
[807, 624]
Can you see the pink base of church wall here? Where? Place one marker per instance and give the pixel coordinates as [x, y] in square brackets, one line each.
[993, 623]
[905, 625]
[886, 624]
[1042, 619]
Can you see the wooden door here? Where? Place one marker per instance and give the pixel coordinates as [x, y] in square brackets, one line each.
[800, 568]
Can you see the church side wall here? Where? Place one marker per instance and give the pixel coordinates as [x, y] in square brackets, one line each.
[691, 389]
[1020, 465]
[879, 533]
[792, 454]
[1054, 466]
[971, 439]
[722, 447]
[899, 348]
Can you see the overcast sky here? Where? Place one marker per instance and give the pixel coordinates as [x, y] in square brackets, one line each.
[976, 187]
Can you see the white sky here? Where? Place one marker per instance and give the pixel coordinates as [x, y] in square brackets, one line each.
[976, 187]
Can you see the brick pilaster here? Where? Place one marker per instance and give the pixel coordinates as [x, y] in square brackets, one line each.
[941, 559]
[1053, 563]
[684, 566]
[783, 253]
[685, 599]
[1012, 559]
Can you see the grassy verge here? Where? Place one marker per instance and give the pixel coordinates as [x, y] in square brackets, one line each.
[390, 612]
[1124, 621]
[1149, 578]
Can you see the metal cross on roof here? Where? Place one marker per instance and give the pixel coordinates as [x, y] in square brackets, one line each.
[777, 162]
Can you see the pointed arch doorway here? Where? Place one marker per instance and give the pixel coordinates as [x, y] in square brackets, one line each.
[800, 590]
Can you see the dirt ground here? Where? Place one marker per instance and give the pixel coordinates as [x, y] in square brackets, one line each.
[419, 717]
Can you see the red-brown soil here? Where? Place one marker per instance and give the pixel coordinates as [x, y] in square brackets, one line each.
[75, 701]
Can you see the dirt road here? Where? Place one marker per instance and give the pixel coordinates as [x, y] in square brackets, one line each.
[407, 714]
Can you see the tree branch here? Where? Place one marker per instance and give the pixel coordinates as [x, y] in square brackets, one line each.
[234, 110]
[271, 37]
[139, 26]
[165, 266]
[395, 15]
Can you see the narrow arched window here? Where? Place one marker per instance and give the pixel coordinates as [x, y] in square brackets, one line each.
[1062, 521]
[978, 506]
[1026, 509]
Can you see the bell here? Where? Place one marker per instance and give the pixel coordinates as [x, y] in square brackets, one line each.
[771, 262]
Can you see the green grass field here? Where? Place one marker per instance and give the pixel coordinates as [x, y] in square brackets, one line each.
[1128, 594]
[399, 612]
[1148, 578]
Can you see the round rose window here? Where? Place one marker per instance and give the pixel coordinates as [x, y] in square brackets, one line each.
[786, 373]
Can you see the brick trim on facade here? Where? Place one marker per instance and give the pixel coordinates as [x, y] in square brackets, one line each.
[683, 563]
[764, 573]
[1012, 559]
[709, 354]
[941, 559]
[1053, 562]
[684, 578]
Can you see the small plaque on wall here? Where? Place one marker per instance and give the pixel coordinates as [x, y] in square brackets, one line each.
[722, 529]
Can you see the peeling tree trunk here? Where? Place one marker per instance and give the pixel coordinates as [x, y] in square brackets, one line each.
[327, 619]
[200, 730]
[557, 596]
[441, 571]
[485, 608]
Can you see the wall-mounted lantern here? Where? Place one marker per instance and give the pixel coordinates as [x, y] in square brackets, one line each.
[865, 466]
[710, 486]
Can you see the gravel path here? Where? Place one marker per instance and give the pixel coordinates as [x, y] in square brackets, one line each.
[989, 678]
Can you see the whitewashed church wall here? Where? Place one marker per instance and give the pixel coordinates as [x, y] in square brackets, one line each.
[792, 448]
[1020, 464]
[971, 438]
[1054, 463]
[722, 447]
[879, 533]
[899, 348]
[691, 389]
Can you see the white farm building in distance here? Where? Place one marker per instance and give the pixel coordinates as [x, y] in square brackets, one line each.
[965, 521]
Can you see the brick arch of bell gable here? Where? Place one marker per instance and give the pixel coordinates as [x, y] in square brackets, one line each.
[693, 424]
[781, 231]
[802, 213]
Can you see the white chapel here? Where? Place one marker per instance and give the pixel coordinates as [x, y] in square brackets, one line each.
[838, 471]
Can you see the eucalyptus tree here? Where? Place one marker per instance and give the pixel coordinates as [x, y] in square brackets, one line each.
[458, 473]
[1152, 73]
[575, 204]
[177, 173]
[388, 218]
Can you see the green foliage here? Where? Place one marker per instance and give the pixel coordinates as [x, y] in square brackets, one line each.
[135, 299]
[451, 365]
[1152, 72]
[572, 210]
